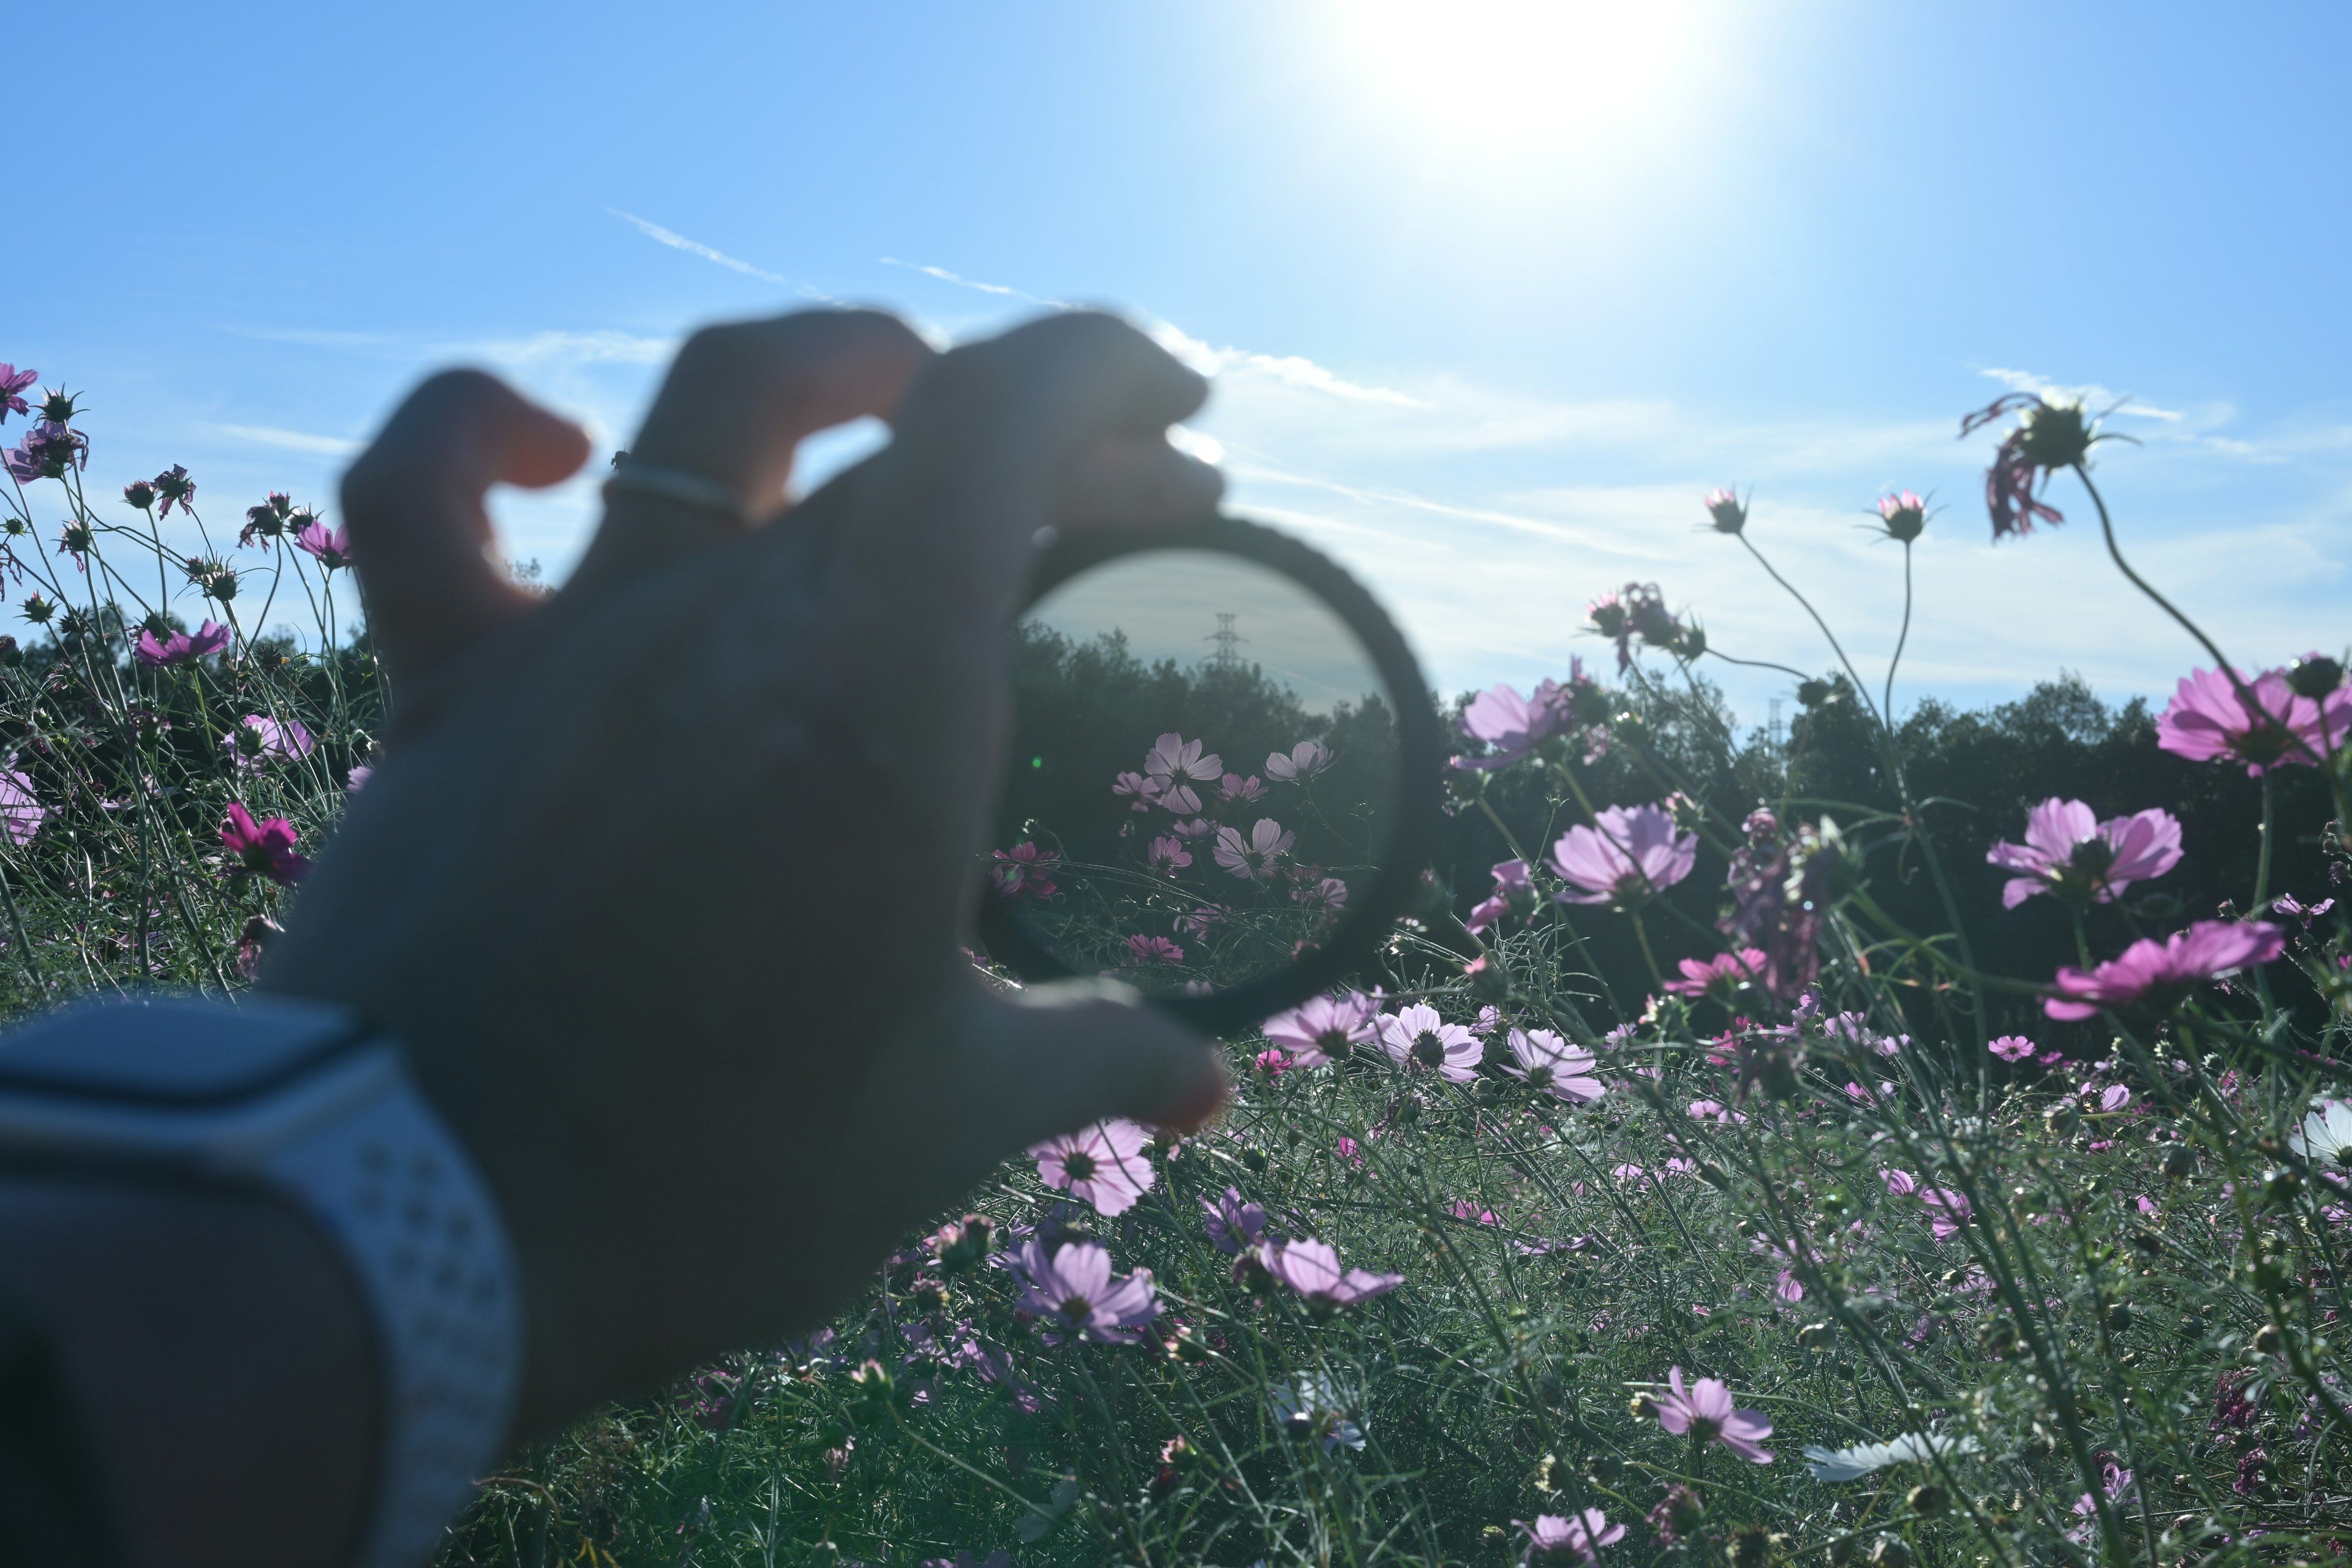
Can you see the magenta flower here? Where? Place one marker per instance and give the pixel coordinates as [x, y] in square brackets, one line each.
[2154, 977]
[1143, 949]
[1549, 1063]
[1305, 760]
[1175, 765]
[1624, 857]
[1254, 859]
[2012, 1047]
[2068, 852]
[1704, 1410]
[13, 382]
[1232, 1224]
[1899, 1183]
[1510, 723]
[1076, 1289]
[1721, 978]
[1324, 1028]
[258, 739]
[47, 451]
[1312, 1268]
[1168, 856]
[263, 848]
[21, 813]
[330, 546]
[1235, 787]
[1576, 1539]
[2049, 437]
[181, 647]
[1328, 894]
[1416, 1039]
[1515, 889]
[1142, 790]
[1103, 1164]
[1947, 1211]
[1025, 871]
[2207, 722]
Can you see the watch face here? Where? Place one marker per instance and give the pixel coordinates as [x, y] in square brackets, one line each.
[172, 1050]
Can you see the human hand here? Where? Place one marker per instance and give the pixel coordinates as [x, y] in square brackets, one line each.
[665, 879]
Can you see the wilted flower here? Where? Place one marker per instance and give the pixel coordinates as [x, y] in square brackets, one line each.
[1579, 1538]
[1903, 516]
[1415, 1038]
[1025, 871]
[1253, 858]
[1639, 610]
[1312, 1268]
[1076, 1289]
[181, 647]
[2153, 976]
[1627, 855]
[2049, 437]
[2070, 854]
[1174, 764]
[1143, 949]
[264, 848]
[21, 813]
[1103, 1164]
[1324, 1028]
[47, 451]
[256, 738]
[176, 489]
[2207, 721]
[330, 546]
[1549, 1063]
[271, 519]
[1704, 1410]
[1305, 760]
[1724, 512]
[1719, 979]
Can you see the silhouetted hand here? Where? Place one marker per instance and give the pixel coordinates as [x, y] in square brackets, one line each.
[665, 879]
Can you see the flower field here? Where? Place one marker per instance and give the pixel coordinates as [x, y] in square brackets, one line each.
[1742, 1154]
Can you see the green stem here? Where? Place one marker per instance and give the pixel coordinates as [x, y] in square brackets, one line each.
[2263, 862]
[1886, 702]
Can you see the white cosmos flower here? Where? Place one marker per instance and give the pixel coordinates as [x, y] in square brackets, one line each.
[2326, 1135]
[1853, 1464]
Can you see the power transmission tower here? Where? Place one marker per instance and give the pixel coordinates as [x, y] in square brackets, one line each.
[1227, 641]
[1776, 729]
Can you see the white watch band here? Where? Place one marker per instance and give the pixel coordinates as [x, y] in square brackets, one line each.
[351, 1141]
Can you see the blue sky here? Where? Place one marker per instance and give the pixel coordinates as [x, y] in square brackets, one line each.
[1493, 292]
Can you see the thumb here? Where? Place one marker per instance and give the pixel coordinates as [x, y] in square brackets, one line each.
[1077, 1051]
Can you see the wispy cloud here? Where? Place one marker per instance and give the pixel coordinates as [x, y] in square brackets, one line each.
[677, 241]
[605, 346]
[2090, 393]
[286, 440]
[1003, 290]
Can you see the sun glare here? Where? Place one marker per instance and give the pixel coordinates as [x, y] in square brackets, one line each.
[1518, 71]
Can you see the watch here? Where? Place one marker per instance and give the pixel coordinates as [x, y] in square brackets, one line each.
[303, 1101]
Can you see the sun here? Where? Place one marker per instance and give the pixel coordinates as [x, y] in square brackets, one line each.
[1505, 71]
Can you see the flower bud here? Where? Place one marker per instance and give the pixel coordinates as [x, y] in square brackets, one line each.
[2268, 1341]
[2314, 675]
[1724, 510]
[1814, 693]
[1905, 516]
[140, 493]
[39, 610]
[1929, 1501]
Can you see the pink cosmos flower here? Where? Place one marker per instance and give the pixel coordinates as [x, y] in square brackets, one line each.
[1578, 1538]
[1416, 1039]
[1253, 858]
[13, 382]
[356, 780]
[21, 814]
[1312, 1268]
[1232, 1224]
[1143, 949]
[2206, 722]
[1196, 828]
[181, 647]
[1103, 1164]
[1199, 921]
[1720, 978]
[264, 848]
[1515, 888]
[1325, 893]
[1549, 1063]
[1305, 760]
[1140, 790]
[1713, 1110]
[1947, 1211]
[1324, 1028]
[1025, 871]
[1625, 857]
[2012, 1048]
[1233, 787]
[2154, 977]
[1351, 1150]
[1175, 765]
[1899, 1183]
[1510, 723]
[1272, 1062]
[1704, 1411]
[1168, 856]
[258, 739]
[1076, 1289]
[2069, 853]
[332, 547]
